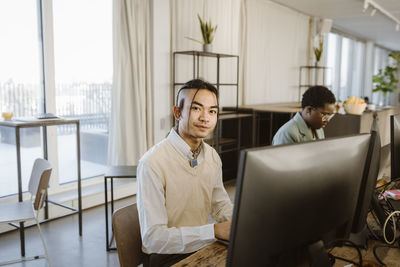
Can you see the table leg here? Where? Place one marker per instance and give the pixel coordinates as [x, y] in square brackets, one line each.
[112, 212]
[112, 195]
[21, 224]
[45, 156]
[78, 151]
[106, 210]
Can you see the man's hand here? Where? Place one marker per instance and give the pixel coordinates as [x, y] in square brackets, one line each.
[222, 230]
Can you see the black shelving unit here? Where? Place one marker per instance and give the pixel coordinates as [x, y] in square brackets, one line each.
[230, 134]
[233, 133]
[313, 73]
[196, 55]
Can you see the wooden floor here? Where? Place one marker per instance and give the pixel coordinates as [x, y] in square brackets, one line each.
[67, 249]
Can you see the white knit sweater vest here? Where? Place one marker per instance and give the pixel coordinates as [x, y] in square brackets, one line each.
[188, 191]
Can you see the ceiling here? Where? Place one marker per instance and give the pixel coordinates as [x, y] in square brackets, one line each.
[348, 17]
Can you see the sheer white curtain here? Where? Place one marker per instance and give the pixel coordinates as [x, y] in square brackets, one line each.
[346, 59]
[380, 62]
[274, 46]
[131, 116]
[226, 15]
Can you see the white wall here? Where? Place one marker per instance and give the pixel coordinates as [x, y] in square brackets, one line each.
[161, 67]
[275, 47]
[226, 15]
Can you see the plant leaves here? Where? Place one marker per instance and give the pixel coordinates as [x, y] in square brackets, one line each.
[207, 31]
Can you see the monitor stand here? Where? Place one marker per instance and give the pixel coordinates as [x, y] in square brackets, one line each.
[318, 256]
[380, 213]
[360, 239]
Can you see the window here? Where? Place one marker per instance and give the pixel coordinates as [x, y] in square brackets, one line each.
[75, 76]
[346, 58]
[83, 81]
[380, 62]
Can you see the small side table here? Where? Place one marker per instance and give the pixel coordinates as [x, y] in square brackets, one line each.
[111, 173]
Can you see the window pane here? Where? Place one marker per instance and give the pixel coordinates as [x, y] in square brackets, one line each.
[344, 70]
[83, 75]
[331, 62]
[358, 69]
[380, 62]
[20, 88]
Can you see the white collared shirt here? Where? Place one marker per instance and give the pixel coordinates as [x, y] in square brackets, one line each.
[183, 147]
[157, 237]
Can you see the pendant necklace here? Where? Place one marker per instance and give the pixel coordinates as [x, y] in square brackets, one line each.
[195, 154]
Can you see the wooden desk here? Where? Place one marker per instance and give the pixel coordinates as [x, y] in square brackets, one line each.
[341, 124]
[214, 255]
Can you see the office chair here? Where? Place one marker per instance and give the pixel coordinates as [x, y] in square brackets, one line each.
[126, 227]
[27, 210]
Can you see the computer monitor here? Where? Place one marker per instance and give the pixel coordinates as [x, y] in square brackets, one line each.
[292, 196]
[395, 146]
[366, 198]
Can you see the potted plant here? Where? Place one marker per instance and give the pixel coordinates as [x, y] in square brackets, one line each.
[386, 80]
[207, 32]
[318, 48]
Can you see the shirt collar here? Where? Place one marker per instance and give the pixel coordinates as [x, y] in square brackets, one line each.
[302, 125]
[303, 128]
[183, 148]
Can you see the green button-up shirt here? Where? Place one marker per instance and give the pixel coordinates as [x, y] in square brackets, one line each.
[296, 131]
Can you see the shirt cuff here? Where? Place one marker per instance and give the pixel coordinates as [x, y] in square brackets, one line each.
[207, 232]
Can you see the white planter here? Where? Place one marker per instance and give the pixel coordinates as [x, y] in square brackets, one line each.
[207, 48]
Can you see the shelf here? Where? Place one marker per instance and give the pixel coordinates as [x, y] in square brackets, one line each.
[203, 54]
[313, 76]
[314, 67]
[222, 141]
[223, 84]
[228, 116]
[310, 85]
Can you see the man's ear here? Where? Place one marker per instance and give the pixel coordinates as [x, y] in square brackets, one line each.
[308, 110]
[177, 113]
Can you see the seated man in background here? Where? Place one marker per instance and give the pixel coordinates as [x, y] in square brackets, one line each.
[318, 106]
[179, 182]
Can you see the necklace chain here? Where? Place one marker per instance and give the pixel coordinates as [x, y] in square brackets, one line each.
[196, 152]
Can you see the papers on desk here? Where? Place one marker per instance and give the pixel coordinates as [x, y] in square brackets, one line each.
[46, 116]
[392, 194]
[32, 119]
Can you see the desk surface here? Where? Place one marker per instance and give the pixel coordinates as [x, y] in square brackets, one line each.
[289, 107]
[120, 172]
[33, 122]
[211, 255]
[214, 255]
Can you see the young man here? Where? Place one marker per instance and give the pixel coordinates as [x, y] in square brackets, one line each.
[318, 106]
[180, 182]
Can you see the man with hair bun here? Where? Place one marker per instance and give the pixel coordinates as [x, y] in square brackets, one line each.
[179, 183]
[318, 106]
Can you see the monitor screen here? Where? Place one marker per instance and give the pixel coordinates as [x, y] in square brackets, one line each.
[291, 196]
[366, 195]
[395, 146]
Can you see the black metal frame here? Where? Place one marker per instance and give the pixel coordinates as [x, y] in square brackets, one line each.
[196, 65]
[316, 68]
[44, 123]
[111, 173]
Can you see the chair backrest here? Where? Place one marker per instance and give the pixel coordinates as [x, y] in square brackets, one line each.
[39, 181]
[126, 227]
